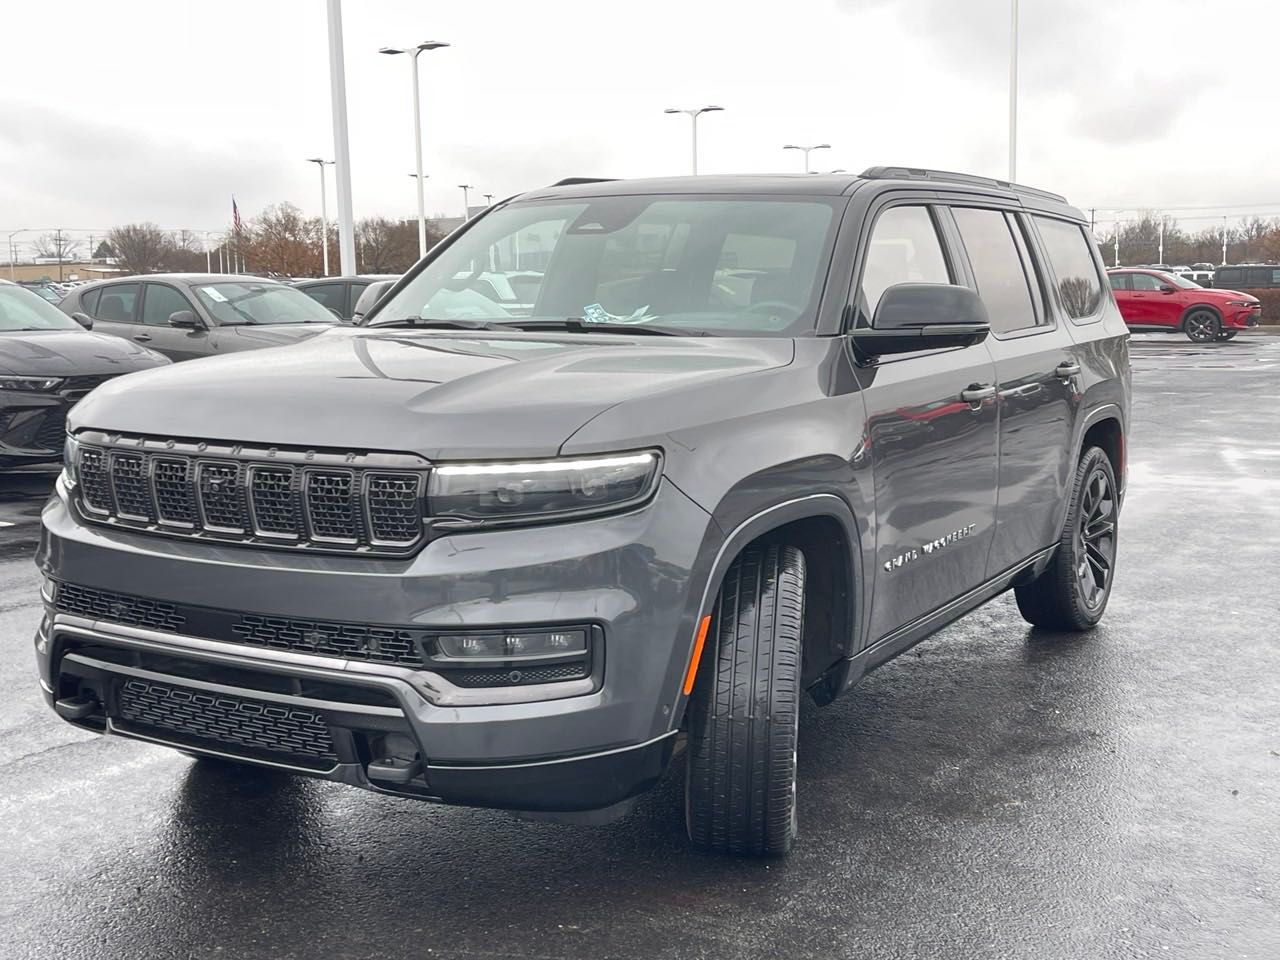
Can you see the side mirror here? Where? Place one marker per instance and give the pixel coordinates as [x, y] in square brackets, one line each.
[185, 319]
[83, 319]
[1168, 288]
[924, 316]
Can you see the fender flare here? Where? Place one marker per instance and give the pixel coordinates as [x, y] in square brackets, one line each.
[1182, 320]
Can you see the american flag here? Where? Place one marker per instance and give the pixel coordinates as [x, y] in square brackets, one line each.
[235, 215]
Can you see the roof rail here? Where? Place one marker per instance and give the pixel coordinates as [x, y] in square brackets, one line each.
[574, 181]
[922, 173]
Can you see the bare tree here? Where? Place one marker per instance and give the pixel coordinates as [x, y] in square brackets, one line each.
[386, 246]
[186, 252]
[282, 240]
[55, 246]
[140, 247]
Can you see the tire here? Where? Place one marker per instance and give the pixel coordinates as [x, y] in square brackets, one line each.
[740, 795]
[1201, 325]
[1072, 592]
[1225, 335]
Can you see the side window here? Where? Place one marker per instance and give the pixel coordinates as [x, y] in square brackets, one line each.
[1227, 276]
[904, 248]
[89, 301]
[1071, 257]
[118, 302]
[1257, 277]
[993, 254]
[1145, 282]
[1119, 281]
[331, 295]
[160, 302]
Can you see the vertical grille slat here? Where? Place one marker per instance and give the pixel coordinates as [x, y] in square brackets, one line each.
[225, 493]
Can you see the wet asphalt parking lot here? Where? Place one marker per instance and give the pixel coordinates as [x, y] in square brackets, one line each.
[996, 793]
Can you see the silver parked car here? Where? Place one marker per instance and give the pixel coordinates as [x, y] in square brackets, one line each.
[187, 315]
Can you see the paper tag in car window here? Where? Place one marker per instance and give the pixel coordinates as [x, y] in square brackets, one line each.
[594, 313]
[213, 294]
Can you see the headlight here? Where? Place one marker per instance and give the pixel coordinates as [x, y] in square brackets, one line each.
[542, 489]
[32, 384]
[1239, 303]
[70, 456]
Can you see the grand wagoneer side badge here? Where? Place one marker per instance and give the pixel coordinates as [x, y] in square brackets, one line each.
[902, 559]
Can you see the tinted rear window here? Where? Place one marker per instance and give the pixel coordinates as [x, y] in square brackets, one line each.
[1075, 271]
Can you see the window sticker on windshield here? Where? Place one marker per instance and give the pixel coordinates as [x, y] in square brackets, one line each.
[213, 294]
[594, 313]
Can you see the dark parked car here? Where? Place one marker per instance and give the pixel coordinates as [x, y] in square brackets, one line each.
[340, 294]
[196, 315]
[1169, 303]
[47, 363]
[1249, 276]
[755, 437]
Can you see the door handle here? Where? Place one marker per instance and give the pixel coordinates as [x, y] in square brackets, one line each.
[1067, 370]
[978, 393]
[142, 338]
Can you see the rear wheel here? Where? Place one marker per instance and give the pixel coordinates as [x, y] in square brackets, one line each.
[744, 714]
[1202, 325]
[1072, 592]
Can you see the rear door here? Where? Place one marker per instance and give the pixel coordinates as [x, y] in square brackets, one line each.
[1036, 366]
[159, 302]
[116, 311]
[933, 450]
[1122, 290]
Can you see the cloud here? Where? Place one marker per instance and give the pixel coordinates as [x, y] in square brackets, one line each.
[1149, 110]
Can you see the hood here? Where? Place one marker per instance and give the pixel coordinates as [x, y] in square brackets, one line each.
[276, 334]
[1234, 294]
[72, 353]
[442, 395]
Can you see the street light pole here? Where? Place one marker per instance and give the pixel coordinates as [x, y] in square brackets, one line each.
[693, 116]
[1160, 255]
[466, 206]
[417, 130]
[324, 210]
[1224, 241]
[1013, 91]
[1116, 240]
[807, 151]
[488, 198]
[341, 141]
[13, 250]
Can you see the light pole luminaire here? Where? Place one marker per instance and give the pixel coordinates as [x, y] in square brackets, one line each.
[466, 206]
[324, 210]
[417, 130]
[807, 151]
[693, 117]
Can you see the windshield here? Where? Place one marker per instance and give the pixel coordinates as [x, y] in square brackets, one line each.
[248, 301]
[23, 310]
[746, 267]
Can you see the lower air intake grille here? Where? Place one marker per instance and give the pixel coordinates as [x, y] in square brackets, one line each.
[117, 607]
[517, 677]
[254, 728]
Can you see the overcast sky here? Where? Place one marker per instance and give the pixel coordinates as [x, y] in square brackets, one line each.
[117, 112]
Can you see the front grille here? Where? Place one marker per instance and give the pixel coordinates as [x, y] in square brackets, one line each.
[117, 608]
[218, 721]
[53, 430]
[372, 504]
[353, 641]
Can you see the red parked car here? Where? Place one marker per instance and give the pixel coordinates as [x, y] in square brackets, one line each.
[1152, 300]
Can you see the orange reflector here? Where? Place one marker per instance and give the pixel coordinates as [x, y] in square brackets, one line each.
[697, 655]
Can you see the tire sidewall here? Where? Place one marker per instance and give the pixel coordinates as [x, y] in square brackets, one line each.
[1215, 329]
[1094, 458]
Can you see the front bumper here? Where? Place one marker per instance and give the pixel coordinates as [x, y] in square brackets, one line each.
[639, 577]
[1243, 319]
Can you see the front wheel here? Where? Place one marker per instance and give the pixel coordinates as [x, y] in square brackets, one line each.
[1072, 592]
[1202, 326]
[744, 714]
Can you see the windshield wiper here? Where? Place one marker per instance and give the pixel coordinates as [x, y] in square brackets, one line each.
[578, 325]
[430, 323]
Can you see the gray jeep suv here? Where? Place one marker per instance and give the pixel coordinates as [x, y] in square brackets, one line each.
[743, 438]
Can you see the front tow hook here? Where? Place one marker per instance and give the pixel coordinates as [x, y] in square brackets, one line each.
[76, 708]
[394, 770]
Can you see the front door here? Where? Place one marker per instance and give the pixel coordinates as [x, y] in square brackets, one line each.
[932, 430]
[159, 302]
[1155, 307]
[1036, 368]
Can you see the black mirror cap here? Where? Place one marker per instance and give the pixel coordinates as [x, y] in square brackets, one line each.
[1168, 288]
[83, 319]
[186, 319]
[906, 306]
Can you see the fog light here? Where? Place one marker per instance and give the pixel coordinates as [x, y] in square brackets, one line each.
[513, 646]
